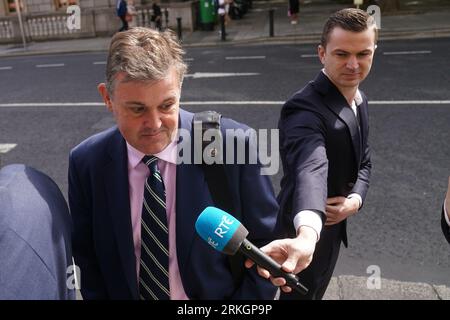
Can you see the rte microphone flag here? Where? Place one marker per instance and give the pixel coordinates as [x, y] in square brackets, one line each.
[226, 234]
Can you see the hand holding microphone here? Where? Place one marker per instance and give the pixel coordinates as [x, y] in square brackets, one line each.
[226, 234]
[294, 255]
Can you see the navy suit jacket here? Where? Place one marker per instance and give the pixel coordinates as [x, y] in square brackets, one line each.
[35, 248]
[102, 238]
[323, 148]
[445, 226]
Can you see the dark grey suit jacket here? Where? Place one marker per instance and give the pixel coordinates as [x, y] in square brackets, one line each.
[35, 249]
[324, 150]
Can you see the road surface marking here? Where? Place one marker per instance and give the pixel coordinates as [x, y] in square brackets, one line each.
[269, 102]
[245, 58]
[51, 104]
[52, 65]
[406, 52]
[5, 68]
[99, 62]
[6, 147]
[198, 75]
[309, 55]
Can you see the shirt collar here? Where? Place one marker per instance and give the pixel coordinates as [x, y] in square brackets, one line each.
[357, 100]
[169, 154]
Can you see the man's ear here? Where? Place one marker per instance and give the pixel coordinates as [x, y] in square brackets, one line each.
[321, 53]
[105, 95]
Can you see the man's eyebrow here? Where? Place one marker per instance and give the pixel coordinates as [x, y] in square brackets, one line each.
[135, 103]
[340, 50]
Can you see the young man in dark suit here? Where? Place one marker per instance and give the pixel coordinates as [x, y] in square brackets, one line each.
[134, 205]
[445, 221]
[325, 154]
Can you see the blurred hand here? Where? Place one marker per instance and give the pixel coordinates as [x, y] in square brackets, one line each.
[294, 255]
[339, 208]
[447, 199]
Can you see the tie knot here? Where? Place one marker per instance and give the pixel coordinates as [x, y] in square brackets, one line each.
[151, 162]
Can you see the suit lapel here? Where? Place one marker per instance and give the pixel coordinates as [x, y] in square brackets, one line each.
[116, 186]
[339, 106]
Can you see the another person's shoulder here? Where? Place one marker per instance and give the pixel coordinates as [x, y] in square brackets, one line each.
[228, 123]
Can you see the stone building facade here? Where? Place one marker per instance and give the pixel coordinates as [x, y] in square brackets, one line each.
[47, 19]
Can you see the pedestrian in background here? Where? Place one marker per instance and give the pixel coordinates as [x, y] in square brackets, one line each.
[122, 10]
[157, 16]
[131, 14]
[294, 10]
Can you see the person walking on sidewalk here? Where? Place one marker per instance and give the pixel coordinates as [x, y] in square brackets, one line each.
[122, 11]
[325, 154]
[157, 16]
[445, 221]
[294, 8]
[131, 16]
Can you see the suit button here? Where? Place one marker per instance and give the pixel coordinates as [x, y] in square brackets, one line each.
[350, 184]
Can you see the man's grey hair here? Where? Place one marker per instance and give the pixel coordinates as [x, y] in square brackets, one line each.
[144, 54]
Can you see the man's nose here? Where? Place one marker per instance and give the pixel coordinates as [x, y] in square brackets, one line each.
[152, 119]
[352, 63]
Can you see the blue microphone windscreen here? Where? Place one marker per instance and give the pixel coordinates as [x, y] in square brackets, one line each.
[217, 228]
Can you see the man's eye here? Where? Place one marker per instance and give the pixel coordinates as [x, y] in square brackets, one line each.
[167, 106]
[137, 109]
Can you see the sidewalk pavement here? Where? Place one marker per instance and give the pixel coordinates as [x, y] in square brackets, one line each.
[357, 288]
[254, 29]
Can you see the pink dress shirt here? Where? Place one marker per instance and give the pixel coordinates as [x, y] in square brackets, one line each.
[137, 174]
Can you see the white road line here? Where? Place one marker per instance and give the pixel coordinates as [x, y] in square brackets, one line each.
[380, 102]
[5, 68]
[198, 75]
[406, 52]
[99, 62]
[6, 147]
[199, 103]
[309, 55]
[52, 65]
[188, 59]
[51, 104]
[410, 102]
[245, 58]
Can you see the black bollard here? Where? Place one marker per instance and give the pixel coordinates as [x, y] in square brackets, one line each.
[223, 35]
[180, 34]
[166, 15]
[271, 32]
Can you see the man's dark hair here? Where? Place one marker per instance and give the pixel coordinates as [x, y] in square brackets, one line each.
[351, 19]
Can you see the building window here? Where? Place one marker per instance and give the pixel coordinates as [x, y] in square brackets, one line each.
[11, 6]
[64, 3]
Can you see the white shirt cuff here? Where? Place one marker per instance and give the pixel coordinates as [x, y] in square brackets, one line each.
[357, 196]
[309, 218]
[446, 215]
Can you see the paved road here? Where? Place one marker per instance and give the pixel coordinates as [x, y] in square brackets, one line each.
[398, 229]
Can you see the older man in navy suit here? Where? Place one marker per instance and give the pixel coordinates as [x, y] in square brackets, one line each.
[35, 247]
[134, 206]
[445, 221]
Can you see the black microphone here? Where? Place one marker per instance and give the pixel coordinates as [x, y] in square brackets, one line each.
[226, 234]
